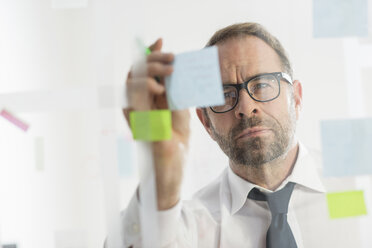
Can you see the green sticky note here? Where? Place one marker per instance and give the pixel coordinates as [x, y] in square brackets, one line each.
[152, 125]
[346, 204]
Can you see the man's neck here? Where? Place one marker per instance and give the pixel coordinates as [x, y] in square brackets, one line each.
[269, 175]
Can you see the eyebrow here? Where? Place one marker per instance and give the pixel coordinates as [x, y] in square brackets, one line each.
[247, 79]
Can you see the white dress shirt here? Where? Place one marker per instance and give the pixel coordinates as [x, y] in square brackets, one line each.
[221, 215]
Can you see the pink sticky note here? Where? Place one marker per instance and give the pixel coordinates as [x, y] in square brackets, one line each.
[14, 120]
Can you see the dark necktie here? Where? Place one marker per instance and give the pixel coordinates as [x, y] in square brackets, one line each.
[279, 234]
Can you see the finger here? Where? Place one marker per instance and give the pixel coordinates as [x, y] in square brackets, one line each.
[160, 57]
[141, 91]
[144, 85]
[159, 69]
[154, 87]
[157, 45]
[160, 101]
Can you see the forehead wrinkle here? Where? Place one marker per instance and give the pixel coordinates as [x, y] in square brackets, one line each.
[243, 58]
[239, 74]
[240, 71]
[229, 71]
[234, 73]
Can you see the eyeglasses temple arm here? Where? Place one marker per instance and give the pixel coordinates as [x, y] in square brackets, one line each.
[287, 77]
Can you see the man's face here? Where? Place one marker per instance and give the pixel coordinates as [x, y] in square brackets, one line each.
[254, 133]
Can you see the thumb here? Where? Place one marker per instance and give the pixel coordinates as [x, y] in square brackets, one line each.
[157, 45]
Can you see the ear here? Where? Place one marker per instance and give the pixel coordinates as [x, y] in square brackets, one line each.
[297, 94]
[205, 121]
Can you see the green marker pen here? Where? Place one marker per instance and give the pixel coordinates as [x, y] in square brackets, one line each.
[148, 51]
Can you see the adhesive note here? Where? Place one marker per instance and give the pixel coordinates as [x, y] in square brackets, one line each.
[346, 204]
[152, 125]
[195, 81]
[340, 18]
[346, 147]
[39, 153]
[125, 157]
[15, 120]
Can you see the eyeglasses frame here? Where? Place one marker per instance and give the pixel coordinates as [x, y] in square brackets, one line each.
[277, 75]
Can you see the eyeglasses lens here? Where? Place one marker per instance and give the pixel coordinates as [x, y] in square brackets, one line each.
[262, 88]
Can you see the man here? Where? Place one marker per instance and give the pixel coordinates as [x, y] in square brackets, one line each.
[271, 195]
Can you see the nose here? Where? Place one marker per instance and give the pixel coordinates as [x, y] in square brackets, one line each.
[246, 107]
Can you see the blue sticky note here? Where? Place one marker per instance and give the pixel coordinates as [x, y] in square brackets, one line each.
[347, 147]
[125, 156]
[195, 81]
[340, 18]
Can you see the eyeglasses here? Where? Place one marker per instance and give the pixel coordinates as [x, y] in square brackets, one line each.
[263, 87]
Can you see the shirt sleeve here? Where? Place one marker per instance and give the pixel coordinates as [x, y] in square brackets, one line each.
[177, 226]
[187, 224]
[131, 224]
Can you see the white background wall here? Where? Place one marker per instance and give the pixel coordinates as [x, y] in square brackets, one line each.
[42, 48]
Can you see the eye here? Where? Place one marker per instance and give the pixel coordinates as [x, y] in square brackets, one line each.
[230, 94]
[261, 86]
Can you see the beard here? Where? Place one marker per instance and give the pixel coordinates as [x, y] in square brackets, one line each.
[258, 150]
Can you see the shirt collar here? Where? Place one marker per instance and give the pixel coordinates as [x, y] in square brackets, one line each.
[239, 189]
[305, 173]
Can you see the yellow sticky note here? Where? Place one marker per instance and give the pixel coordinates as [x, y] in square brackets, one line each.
[346, 204]
[152, 125]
